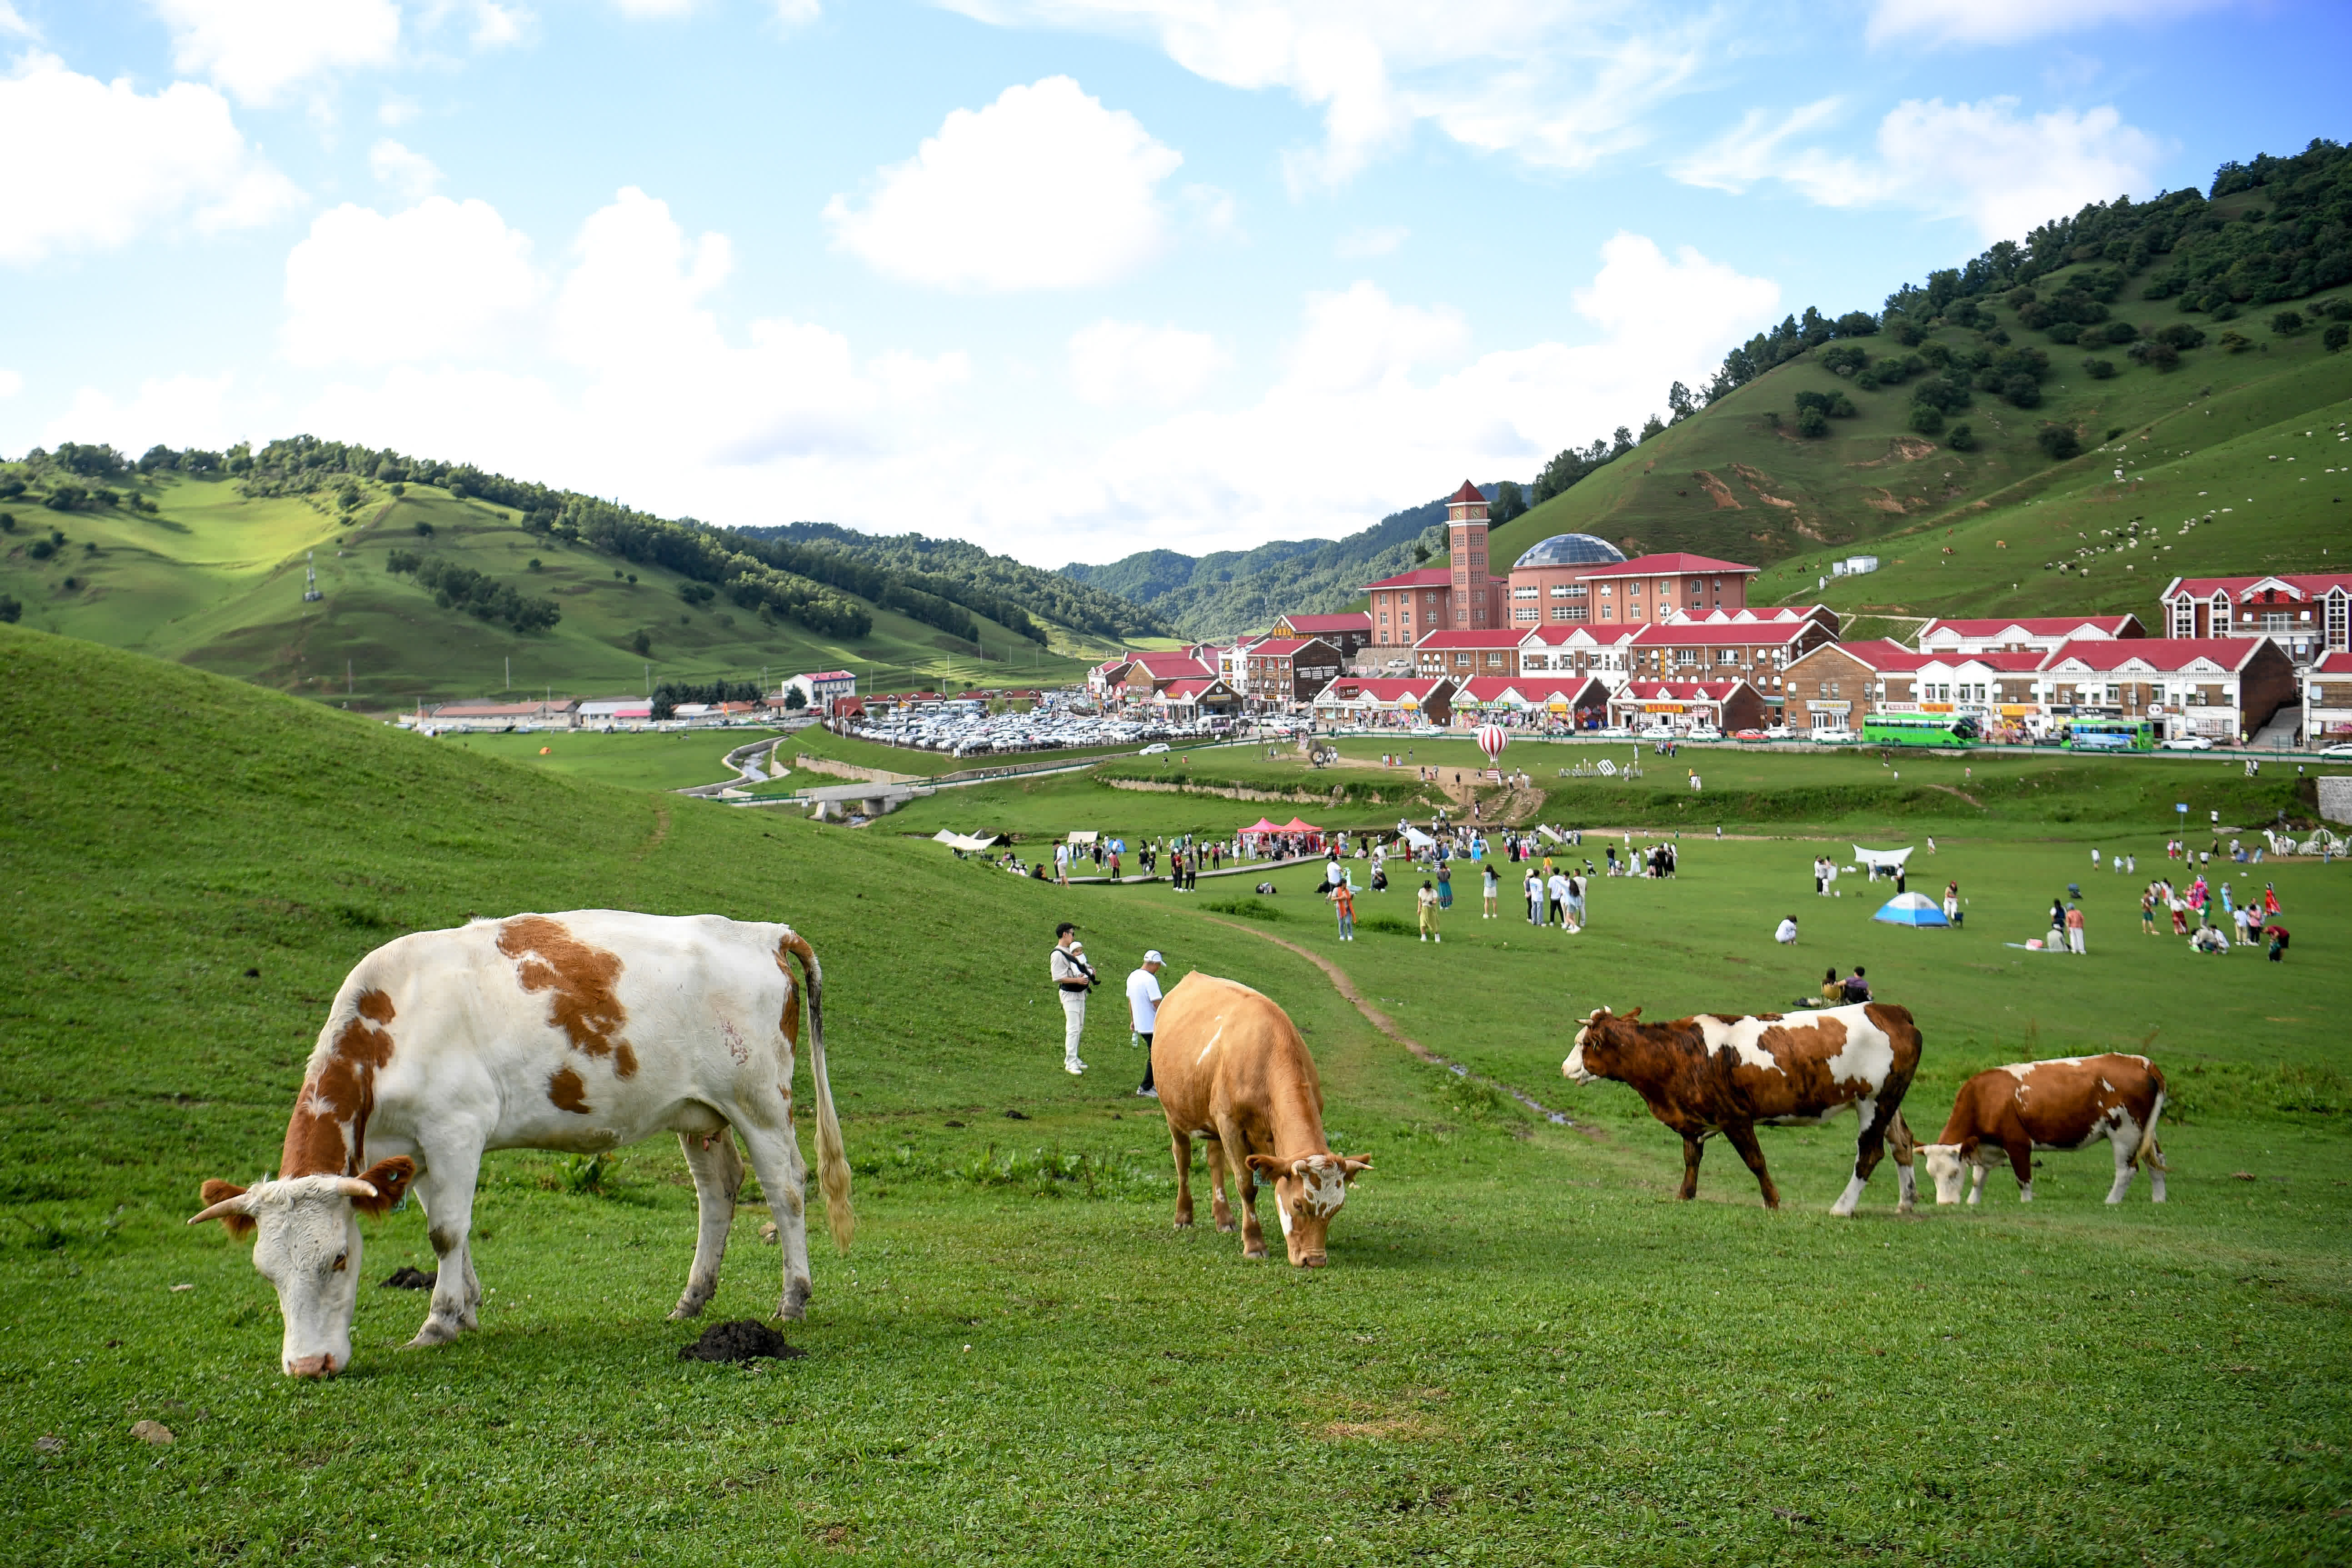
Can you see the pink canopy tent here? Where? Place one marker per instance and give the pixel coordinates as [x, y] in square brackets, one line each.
[1261, 826]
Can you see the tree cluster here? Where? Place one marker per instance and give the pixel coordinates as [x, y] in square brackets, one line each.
[1577, 463]
[477, 594]
[670, 696]
[993, 585]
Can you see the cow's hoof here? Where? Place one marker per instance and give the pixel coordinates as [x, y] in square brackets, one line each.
[794, 1305]
[436, 1331]
[1256, 1252]
[683, 1310]
[1224, 1226]
[1183, 1225]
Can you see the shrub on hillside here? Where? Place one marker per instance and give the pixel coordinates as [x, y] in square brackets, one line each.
[2098, 369]
[455, 587]
[2064, 333]
[2157, 353]
[2236, 342]
[2060, 442]
[11, 609]
[2286, 323]
[2118, 332]
[1926, 419]
[2181, 335]
[1856, 324]
[2336, 336]
[1962, 440]
[2022, 390]
[1812, 421]
[1844, 359]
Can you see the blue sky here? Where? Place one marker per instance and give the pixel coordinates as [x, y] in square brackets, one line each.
[1069, 277]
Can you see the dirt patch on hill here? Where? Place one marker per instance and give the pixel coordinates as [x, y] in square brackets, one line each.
[1717, 492]
[1756, 482]
[1884, 502]
[1901, 450]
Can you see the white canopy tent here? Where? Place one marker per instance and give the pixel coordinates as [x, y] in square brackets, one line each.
[967, 842]
[1880, 862]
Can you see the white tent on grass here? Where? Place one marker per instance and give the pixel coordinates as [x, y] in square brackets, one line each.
[1911, 909]
[1880, 862]
[967, 842]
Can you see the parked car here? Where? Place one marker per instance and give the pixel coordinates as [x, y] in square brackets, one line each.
[2343, 749]
[1752, 735]
[1831, 737]
[1153, 750]
[1777, 733]
[1702, 732]
[2186, 743]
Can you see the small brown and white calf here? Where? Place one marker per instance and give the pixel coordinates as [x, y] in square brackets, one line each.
[1716, 1073]
[2068, 1103]
[580, 1031]
[1231, 1068]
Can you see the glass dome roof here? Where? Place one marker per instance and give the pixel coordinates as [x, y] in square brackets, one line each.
[1572, 550]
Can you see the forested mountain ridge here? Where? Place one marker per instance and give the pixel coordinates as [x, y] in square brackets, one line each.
[1054, 596]
[1242, 590]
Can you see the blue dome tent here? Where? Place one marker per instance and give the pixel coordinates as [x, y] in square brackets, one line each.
[1911, 909]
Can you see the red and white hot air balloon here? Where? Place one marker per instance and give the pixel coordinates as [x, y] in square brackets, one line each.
[1492, 738]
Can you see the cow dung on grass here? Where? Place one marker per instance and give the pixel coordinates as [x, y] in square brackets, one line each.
[407, 1278]
[745, 1339]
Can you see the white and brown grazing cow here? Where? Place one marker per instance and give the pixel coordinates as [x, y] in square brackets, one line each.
[1231, 1068]
[2068, 1103]
[581, 1032]
[1715, 1073]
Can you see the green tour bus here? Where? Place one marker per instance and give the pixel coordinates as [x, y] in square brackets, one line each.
[1939, 730]
[2109, 735]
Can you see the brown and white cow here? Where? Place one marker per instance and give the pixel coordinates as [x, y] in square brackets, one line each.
[2068, 1103]
[580, 1031]
[1231, 1068]
[1715, 1073]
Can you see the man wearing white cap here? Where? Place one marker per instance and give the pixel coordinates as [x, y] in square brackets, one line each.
[1143, 1011]
[1073, 978]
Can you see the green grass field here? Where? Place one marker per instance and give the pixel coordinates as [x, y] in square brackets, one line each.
[1523, 1350]
[216, 580]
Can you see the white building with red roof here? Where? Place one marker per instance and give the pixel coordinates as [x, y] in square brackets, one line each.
[1465, 654]
[1561, 651]
[2225, 688]
[1376, 702]
[1286, 672]
[2328, 700]
[1145, 673]
[1349, 631]
[2305, 613]
[1726, 705]
[1758, 649]
[1837, 685]
[1183, 701]
[1566, 702]
[2022, 633]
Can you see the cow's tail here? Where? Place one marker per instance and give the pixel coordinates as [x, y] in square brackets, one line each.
[2148, 1150]
[832, 1158]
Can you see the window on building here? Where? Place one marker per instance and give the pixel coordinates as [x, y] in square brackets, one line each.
[1568, 612]
[1527, 591]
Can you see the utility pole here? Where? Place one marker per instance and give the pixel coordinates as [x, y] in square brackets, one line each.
[510, 672]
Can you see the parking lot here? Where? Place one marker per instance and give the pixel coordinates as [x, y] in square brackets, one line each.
[968, 731]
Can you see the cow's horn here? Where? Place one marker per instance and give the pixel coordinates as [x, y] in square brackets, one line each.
[239, 1204]
[353, 1187]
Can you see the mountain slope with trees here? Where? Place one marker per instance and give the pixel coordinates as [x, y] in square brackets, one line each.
[1980, 398]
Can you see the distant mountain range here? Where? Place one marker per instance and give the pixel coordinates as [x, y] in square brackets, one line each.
[1244, 589]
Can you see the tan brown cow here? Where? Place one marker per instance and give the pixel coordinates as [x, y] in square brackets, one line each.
[1230, 1069]
[2068, 1103]
[1715, 1073]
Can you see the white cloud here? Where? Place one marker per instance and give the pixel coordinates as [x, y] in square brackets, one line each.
[411, 175]
[396, 111]
[1359, 243]
[1360, 339]
[443, 277]
[797, 13]
[13, 24]
[1113, 362]
[497, 25]
[2003, 172]
[11, 384]
[1559, 83]
[89, 165]
[2008, 21]
[259, 48]
[654, 7]
[1043, 189]
[179, 410]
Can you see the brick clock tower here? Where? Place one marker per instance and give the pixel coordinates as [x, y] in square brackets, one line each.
[1477, 597]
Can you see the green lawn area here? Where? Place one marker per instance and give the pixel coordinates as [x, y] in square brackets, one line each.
[1524, 1351]
[678, 759]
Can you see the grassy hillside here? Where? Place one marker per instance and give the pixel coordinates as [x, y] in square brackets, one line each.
[213, 578]
[2210, 429]
[1523, 1350]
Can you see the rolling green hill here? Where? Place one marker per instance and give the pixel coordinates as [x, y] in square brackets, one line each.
[2207, 421]
[209, 569]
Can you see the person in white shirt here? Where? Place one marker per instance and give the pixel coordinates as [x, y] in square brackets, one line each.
[1786, 933]
[1143, 1011]
[1073, 978]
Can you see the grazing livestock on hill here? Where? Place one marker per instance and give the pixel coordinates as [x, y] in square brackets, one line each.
[1715, 1073]
[2068, 1103]
[580, 1031]
[1231, 1068]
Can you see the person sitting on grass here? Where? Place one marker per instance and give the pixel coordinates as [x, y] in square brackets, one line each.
[1856, 989]
[1832, 988]
[1785, 932]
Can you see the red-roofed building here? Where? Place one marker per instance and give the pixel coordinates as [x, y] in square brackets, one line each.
[2038, 634]
[1378, 703]
[1564, 650]
[1759, 651]
[1146, 673]
[2328, 700]
[1183, 701]
[2307, 613]
[1349, 631]
[1463, 594]
[2225, 688]
[1570, 702]
[1724, 705]
[1836, 685]
[1547, 589]
[1286, 672]
[1465, 654]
